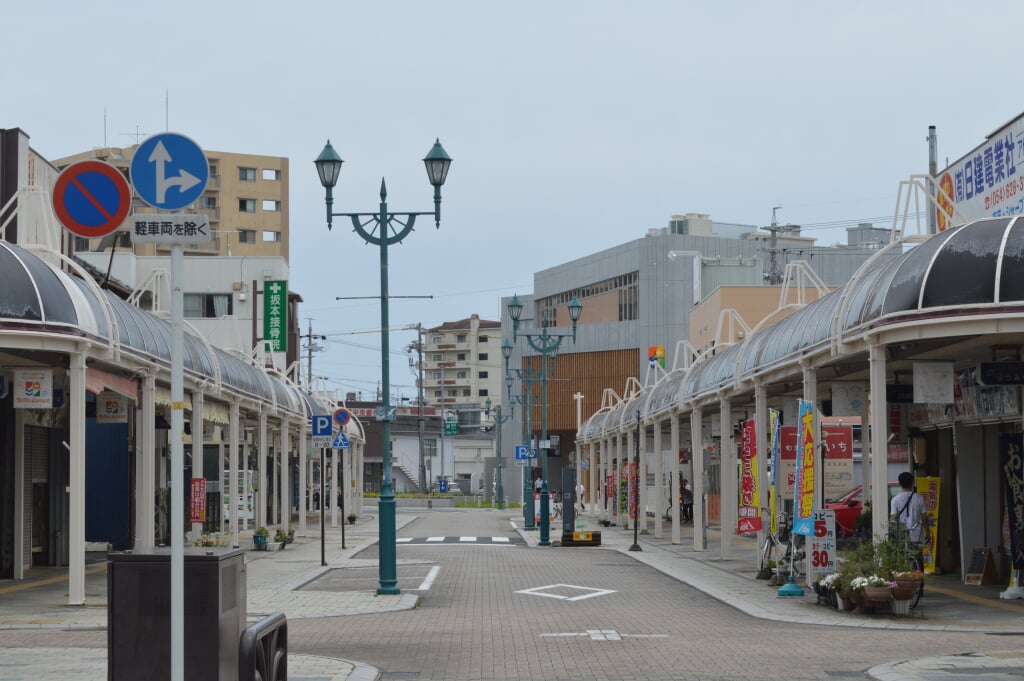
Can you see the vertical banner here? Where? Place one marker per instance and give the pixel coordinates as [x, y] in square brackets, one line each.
[198, 500]
[837, 463]
[275, 314]
[803, 506]
[749, 516]
[1012, 461]
[823, 544]
[928, 487]
[774, 440]
[787, 461]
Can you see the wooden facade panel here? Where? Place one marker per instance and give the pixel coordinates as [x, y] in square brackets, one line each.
[583, 372]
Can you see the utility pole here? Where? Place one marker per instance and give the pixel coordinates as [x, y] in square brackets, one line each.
[311, 347]
[773, 277]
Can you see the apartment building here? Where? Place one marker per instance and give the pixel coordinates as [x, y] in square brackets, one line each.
[463, 366]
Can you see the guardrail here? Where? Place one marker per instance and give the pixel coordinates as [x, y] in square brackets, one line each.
[263, 650]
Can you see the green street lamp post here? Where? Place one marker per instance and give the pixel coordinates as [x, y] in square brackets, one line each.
[384, 228]
[547, 345]
[498, 420]
[524, 401]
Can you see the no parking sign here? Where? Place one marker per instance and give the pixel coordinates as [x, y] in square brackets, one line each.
[91, 198]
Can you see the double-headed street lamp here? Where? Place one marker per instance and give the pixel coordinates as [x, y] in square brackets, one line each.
[385, 228]
[523, 400]
[498, 420]
[547, 345]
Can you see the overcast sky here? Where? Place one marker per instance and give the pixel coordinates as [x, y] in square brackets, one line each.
[574, 126]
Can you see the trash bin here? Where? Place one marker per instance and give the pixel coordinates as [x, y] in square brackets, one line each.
[139, 613]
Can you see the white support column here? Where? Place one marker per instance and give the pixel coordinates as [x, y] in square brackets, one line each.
[697, 457]
[729, 496]
[879, 440]
[275, 492]
[659, 480]
[145, 462]
[304, 448]
[627, 459]
[643, 462]
[333, 497]
[197, 449]
[592, 476]
[21, 560]
[261, 468]
[76, 478]
[285, 458]
[233, 491]
[674, 471]
[761, 426]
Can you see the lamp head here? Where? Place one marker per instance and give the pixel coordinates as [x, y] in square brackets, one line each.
[487, 405]
[506, 350]
[437, 162]
[515, 308]
[328, 166]
[575, 309]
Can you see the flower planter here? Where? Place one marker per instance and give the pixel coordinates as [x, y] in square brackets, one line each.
[260, 542]
[900, 607]
[877, 595]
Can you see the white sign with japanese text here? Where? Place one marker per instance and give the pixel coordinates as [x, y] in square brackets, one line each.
[823, 544]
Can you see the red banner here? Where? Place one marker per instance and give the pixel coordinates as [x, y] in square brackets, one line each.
[749, 516]
[198, 500]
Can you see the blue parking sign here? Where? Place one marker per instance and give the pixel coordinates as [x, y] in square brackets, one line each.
[321, 425]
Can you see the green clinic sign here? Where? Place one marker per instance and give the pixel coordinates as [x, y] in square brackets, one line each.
[275, 314]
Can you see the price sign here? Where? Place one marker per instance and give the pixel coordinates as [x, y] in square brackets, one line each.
[823, 544]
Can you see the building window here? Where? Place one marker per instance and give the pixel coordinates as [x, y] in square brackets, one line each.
[271, 236]
[483, 392]
[461, 374]
[483, 374]
[81, 244]
[436, 357]
[247, 205]
[437, 340]
[209, 202]
[213, 170]
[466, 392]
[483, 339]
[247, 236]
[437, 375]
[437, 394]
[462, 357]
[271, 174]
[453, 393]
[247, 174]
[207, 305]
[271, 206]
[482, 356]
[460, 338]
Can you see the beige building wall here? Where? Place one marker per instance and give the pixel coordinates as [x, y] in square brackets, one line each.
[751, 303]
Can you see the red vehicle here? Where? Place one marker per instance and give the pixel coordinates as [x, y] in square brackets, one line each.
[851, 505]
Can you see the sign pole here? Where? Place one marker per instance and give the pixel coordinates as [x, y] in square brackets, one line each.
[177, 466]
[323, 494]
[341, 492]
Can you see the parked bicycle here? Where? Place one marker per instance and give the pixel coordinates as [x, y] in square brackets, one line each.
[781, 556]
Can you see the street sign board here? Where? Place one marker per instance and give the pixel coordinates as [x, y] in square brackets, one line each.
[169, 171]
[167, 228]
[342, 416]
[522, 452]
[322, 441]
[340, 441]
[321, 425]
[91, 198]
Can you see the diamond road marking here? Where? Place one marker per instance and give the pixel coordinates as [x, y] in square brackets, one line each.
[591, 592]
[601, 635]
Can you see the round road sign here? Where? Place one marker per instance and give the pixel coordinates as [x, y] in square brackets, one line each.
[91, 198]
[341, 417]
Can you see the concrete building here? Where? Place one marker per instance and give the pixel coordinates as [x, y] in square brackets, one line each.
[637, 298]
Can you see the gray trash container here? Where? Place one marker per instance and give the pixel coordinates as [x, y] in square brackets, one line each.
[139, 614]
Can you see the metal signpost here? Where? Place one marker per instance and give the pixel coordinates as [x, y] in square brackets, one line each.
[169, 172]
[340, 444]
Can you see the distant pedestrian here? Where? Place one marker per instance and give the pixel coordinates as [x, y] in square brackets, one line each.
[580, 491]
[687, 502]
[538, 484]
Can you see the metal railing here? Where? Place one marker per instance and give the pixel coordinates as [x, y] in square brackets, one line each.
[263, 650]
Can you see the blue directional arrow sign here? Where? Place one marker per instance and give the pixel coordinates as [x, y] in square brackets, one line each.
[169, 171]
[340, 441]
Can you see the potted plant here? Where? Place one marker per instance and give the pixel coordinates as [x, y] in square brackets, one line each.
[281, 538]
[259, 539]
[351, 518]
[876, 590]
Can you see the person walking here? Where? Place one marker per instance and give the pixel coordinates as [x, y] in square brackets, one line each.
[537, 484]
[687, 502]
[907, 510]
[580, 491]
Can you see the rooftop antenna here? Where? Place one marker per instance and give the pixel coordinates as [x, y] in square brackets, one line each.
[138, 134]
[773, 277]
[167, 110]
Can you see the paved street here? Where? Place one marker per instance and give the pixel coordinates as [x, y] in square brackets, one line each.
[481, 601]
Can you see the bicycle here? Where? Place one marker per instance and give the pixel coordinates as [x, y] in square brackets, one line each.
[781, 558]
[912, 556]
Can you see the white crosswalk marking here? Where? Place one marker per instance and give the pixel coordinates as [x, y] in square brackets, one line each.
[435, 538]
[467, 538]
[402, 540]
[500, 540]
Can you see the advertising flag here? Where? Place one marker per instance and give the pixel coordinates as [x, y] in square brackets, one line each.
[803, 507]
[749, 516]
[774, 436]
